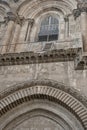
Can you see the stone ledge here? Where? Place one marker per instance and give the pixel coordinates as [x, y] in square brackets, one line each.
[41, 57]
[42, 52]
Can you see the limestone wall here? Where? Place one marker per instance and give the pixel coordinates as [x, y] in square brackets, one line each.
[61, 72]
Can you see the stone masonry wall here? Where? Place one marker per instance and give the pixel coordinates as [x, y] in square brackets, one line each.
[61, 72]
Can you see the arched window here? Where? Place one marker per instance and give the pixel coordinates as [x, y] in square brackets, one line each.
[49, 29]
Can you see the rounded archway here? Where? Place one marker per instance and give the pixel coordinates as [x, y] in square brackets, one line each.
[37, 10]
[41, 113]
[45, 98]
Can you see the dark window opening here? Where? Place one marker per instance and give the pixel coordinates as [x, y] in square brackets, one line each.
[49, 29]
[42, 38]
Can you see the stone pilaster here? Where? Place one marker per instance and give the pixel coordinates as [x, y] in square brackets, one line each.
[66, 26]
[81, 12]
[10, 19]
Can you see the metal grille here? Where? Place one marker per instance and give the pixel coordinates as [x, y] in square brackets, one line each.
[48, 29]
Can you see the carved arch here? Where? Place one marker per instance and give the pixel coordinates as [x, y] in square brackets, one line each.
[4, 8]
[70, 5]
[45, 89]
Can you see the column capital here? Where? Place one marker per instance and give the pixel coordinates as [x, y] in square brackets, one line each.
[31, 21]
[19, 19]
[76, 13]
[66, 18]
[14, 17]
[10, 17]
[81, 7]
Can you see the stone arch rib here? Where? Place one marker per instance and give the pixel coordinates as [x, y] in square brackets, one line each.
[43, 90]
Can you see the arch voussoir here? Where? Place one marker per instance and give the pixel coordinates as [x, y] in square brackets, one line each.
[37, 91]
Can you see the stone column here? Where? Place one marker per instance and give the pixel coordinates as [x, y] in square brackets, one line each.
[84, 29]
[81, 12]
[15, 37]
[0, 25]
[66, 26]
[8, 35]
[30, 24]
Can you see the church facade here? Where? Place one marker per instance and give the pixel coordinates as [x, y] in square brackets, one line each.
[43, 65]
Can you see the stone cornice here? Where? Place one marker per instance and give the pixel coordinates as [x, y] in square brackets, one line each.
[34, 58]
[30, 21]
[58, 51]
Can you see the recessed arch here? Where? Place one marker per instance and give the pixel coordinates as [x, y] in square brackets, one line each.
[26, 7]
[4, 9]
[43, 108]
[44, 89]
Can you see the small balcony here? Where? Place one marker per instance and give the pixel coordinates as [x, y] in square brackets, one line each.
[40, 52]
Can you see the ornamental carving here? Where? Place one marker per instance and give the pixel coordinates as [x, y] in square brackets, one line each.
[81, 7]
[48, 90]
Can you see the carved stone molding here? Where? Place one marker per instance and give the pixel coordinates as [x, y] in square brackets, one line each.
[40, 53]
[10, 17]
[19, 19]
[76, 13]
[81, 7]
[14, 17]
[45, 89]
[39, 110]
[30, 57]
[31, 21]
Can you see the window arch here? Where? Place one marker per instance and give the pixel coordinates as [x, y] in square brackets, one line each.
[49, 29]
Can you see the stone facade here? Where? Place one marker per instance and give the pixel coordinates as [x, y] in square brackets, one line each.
[43, 84]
